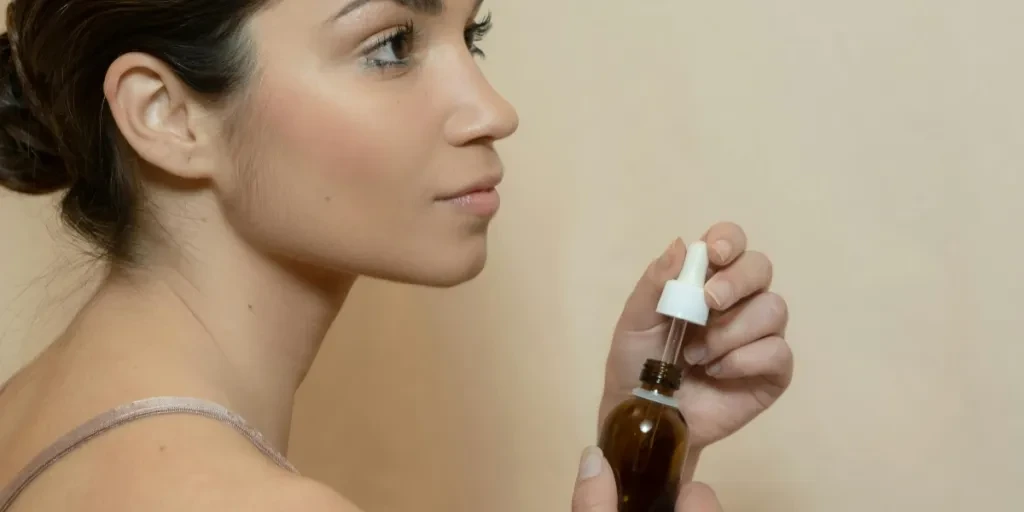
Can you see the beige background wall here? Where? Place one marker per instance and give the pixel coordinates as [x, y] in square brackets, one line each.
[874, 149]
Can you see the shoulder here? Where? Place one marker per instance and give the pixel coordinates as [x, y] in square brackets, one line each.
[175, 463]
[291, 494]
[219, 470]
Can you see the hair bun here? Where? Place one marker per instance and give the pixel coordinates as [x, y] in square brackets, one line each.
[29, 161]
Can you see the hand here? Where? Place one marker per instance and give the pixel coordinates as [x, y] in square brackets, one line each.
[742, 361]
[595, 489]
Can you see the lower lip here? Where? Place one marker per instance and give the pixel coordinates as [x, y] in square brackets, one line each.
[484, 203]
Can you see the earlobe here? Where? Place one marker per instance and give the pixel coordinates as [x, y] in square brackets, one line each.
[159, 117]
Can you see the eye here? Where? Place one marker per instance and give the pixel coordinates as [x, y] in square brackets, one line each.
[392, 48]
[476, 32]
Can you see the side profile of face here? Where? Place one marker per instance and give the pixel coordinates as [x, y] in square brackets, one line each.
[364, 143]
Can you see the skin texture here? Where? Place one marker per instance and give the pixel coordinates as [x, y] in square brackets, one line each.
[328, 162]
[261, 212]
[375, 149]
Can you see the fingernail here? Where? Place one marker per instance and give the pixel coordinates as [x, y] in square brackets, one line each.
[722, 249]
[720, 291]
[695, 354]
[714, 369]
[591, 463]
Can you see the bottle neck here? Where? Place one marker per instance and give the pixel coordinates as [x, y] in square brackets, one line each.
[659, 389]
[661, 377]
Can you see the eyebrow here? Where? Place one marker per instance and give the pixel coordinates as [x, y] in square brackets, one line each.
[424, 6]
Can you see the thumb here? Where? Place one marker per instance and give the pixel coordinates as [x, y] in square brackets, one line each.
[697, 497]
[595, 485]
[640, 312]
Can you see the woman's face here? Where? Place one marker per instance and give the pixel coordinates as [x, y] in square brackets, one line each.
[368, 140]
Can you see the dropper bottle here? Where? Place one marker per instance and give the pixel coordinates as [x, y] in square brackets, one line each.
[645, 439]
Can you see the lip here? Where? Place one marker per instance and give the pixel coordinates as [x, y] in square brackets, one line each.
[485, 184]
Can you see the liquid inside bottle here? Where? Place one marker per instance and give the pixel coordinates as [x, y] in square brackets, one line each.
[645, 440]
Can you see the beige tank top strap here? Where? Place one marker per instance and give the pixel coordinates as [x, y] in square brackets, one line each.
[127, 413]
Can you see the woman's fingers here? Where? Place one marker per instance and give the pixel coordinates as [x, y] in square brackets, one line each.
[765, 314]
[769, 358]
[595, 484]
[726, 241]
[697, 497]
[749, 274]
[727, 244]
[640, 312]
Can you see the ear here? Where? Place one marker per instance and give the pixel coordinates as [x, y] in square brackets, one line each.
[161, 118]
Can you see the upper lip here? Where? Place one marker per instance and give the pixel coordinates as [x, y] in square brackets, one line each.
[481, 185]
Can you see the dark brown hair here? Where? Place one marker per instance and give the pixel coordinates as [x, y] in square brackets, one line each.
[56, 132]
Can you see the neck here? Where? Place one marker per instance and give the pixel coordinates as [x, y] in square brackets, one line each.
[239, 328]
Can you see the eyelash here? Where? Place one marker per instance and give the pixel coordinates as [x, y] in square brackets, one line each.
[407, 34]
[476, 32]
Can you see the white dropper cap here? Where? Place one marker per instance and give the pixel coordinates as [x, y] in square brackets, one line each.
[683, 297]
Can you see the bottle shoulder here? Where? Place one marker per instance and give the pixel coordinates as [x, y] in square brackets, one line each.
[637, 410]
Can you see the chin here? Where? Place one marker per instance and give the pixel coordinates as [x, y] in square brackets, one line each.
[456, 271]
[447, 266]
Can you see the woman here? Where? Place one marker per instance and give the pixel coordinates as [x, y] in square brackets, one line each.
[240, 163]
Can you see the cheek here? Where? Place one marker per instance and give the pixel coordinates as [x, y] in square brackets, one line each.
[332, 181]
[326, 142]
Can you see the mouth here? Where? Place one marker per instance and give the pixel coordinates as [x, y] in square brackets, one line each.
[479, 198]
[483, 185]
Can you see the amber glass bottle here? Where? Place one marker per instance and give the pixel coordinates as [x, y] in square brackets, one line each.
[645, 440]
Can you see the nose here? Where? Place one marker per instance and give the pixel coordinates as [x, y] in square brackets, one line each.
[480, 113]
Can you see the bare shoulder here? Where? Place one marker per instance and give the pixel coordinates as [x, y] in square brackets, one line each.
[269, 492]
[172, 464]
[295, 493]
